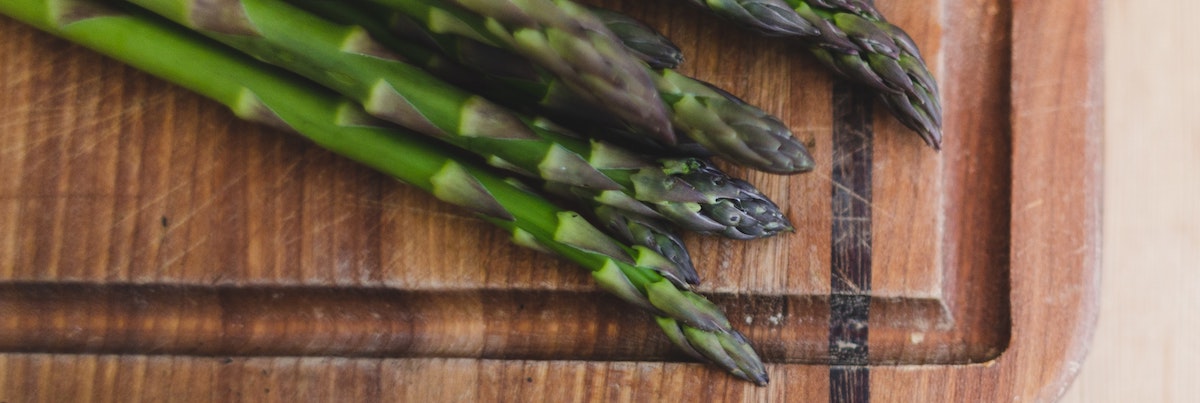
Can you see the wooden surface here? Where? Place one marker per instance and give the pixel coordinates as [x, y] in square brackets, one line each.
[149, 239]
[1145, 348]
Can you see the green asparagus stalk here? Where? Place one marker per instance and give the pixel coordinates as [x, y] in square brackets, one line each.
[647, 44]
[732, 128]
[651, 233]
[733, 208]
[569, 41]
[853, 39]
[768, 17]
[348, 60]
[497, 74]
[257, 92]
[724, 125]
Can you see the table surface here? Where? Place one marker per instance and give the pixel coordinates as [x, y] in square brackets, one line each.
[1144, 349]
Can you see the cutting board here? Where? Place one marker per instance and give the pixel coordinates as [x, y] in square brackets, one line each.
[153, 247]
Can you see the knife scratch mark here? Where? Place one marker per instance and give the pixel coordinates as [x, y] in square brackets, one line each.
[180, 255]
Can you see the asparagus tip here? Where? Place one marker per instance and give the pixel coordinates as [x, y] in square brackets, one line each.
[933, 138]
[760, 379]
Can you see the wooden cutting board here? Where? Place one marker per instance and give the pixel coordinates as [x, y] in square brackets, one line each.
[152, 247]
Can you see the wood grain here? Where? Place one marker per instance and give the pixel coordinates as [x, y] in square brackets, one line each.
[150, 239]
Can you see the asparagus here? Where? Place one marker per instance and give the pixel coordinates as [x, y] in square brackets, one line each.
[768, 17]
[730, 207]
[854, 40]
[645, 43]
[622, 224]
[651, 233]
[260, 93]
[723, 124]
[497, 74]
[567, 40]
[703, 199]
[349, 61]
[732, 128]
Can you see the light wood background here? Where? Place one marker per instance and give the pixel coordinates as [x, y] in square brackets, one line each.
[1145, 348]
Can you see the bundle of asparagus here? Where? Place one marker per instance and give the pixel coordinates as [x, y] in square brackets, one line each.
[723, 124]
[427, 91]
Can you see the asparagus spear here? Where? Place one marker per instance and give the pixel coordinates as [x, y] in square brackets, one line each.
[768, 17]
[730, 127]
[349, 61]
[257, 92]
[497, 74]
[645, 43]
[732, 208]
[567, 40]
[651, 233]
[723, 124]
[854, 40]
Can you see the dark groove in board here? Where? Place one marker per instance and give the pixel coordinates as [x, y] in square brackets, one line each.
[850, 384]
[849, 302]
